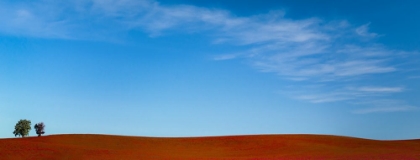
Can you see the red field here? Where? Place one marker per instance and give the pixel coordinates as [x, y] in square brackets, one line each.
[228, 147]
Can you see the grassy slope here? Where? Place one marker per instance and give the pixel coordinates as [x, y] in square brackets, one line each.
[228, 147]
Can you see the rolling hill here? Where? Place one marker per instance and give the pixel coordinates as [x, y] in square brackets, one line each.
[90, 146]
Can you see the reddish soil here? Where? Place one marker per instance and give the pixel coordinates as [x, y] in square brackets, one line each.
[103, 147]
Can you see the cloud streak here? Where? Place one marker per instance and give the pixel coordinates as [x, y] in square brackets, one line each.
[385, 105]
[334, 94]
[24, 21]
[309, 50]
[385, 109]
[364, 31]
[380, 89]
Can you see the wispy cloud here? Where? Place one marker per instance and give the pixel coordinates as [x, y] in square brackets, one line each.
[323, 94]
[364, 31]
[226, 57]
[326, 97]
[385, 105]
[380, 89]
[386, 109]
[311, 50]
[24, 21]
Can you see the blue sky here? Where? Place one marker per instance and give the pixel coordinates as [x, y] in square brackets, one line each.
[206, 68]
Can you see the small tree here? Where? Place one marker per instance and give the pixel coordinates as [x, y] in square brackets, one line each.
[39, 128]
[22, 128]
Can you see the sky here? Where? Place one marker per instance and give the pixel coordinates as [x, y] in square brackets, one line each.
[180, 68]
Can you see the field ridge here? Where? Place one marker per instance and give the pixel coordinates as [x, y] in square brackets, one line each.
[287, 146]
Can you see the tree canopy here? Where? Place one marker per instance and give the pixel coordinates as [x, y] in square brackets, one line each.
[39, 128]
[22, 128]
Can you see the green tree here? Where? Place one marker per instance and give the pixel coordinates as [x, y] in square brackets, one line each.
[22, 128]
[39, 128]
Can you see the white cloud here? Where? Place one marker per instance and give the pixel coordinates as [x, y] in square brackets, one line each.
[226, 57]
[306, 50]
[364, 31]
[367, 99]
[32, 19]
[384, 105]
[374, 50]
[364, 95]
[299, 50]
[380, 89]
[386, 109]
[324, 98]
